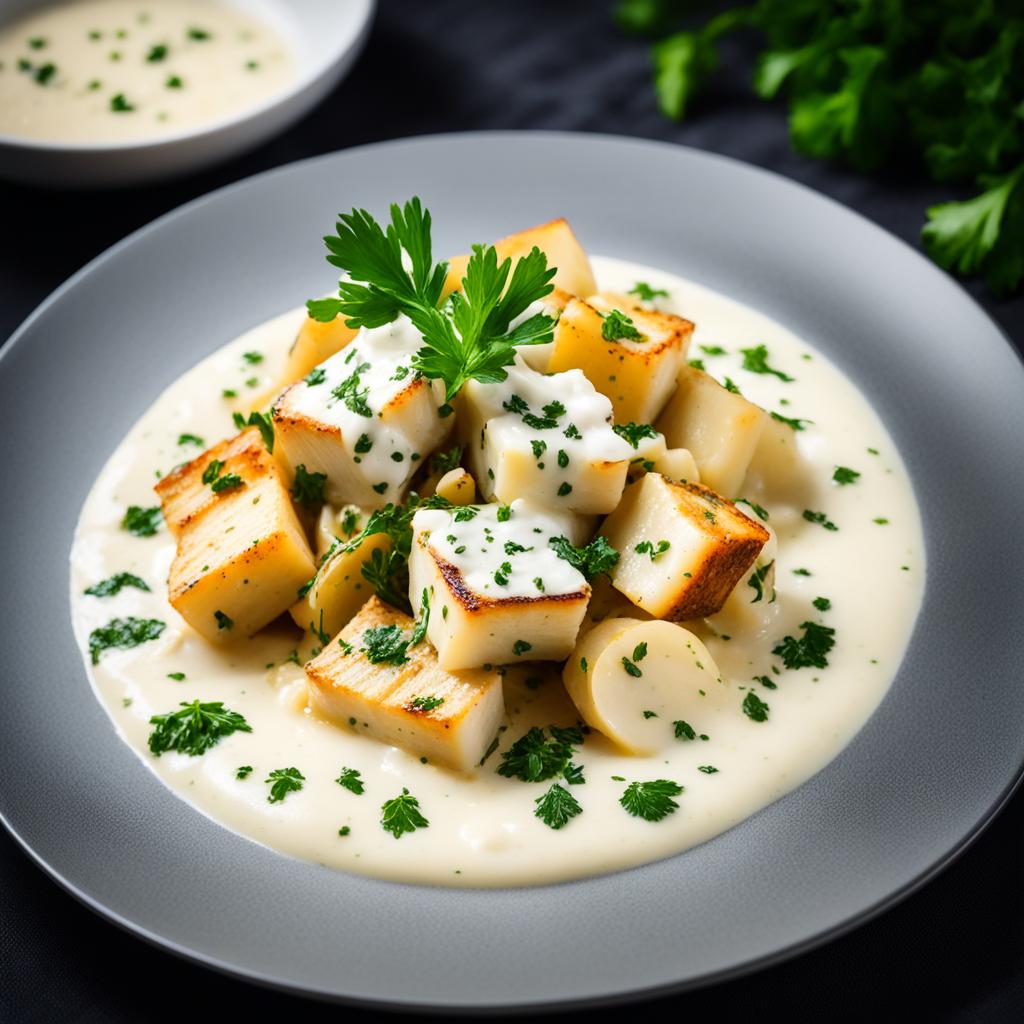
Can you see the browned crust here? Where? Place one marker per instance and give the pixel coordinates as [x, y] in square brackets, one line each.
[284, 417]
[719, 575]
[473, 603]
[729, 523]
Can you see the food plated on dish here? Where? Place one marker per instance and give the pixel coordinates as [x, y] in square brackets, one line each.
[538, 564]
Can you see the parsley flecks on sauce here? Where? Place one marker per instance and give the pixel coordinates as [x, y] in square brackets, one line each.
[652, 800]
[124, 633]
[119, 104]
[845, 475]
[142, 522]
[810, 650]
[115, 584]
[820, 518]
[402, 815]
[557, 807]
[683, 730]
[194, 728]
[645, 293]
[755, 360]
[634, 433]
[283, 781]
[754, 708]
[534, 757]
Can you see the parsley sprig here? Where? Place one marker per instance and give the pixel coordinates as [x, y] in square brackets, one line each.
[195, 728]
[391, 271]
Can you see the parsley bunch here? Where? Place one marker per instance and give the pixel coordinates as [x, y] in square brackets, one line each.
[391, 271]
[938, 84]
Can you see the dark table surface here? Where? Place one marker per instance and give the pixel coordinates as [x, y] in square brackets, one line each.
[956, 947]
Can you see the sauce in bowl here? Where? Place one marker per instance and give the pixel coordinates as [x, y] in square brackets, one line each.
[123, 70]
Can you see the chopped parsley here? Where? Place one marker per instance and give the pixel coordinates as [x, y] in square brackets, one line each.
[115, 584]
[223, 621]
[173, 82]
[178, 677]
[316, 376]
[120, 105]
[757, 579]
[645, 547]
[592, 559]
[263, 421]
[385, 645]
[402, 814]
[557, 807]
[143, 522]
[823, 604]
[645, 293]
[445, 462]
[520, 647]
[243, 771]
[616, 326]
[308, 488]
[124, 633]
[684, 731]
[195, 728]
[157, 53]
[631, 668]
[795, 422]
[809, 650]
[634, 433]
[533, 757]
[351, 395]
[425, 703]
[759, 510]
[283, 781]
[652, 800]
[845, 475]
[754, 708]
[707, 769]
[191, 439]
[756, 361]
[351, 779]
[820, 518]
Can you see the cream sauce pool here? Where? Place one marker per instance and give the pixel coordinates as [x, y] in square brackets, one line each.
[120, 70]
[483, 831]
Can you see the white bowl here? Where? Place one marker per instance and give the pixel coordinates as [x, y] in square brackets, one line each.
[325, 36]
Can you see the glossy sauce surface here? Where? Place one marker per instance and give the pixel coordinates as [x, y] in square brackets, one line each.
[482, 829]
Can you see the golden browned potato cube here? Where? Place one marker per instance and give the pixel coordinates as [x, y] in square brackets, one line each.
[637, 374]
[448, 717]
[720, 429]
[682, 547]
[556, 240]
[242, 553]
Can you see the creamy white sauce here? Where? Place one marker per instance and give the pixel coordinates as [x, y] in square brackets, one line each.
[483, 830]
[119, 70]
[502, 558]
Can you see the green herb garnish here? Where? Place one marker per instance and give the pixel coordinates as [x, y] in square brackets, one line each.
[195, 728]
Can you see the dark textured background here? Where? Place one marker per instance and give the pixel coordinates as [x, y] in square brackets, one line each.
[956, 948]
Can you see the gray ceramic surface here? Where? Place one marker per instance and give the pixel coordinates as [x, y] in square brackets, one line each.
[933, 764]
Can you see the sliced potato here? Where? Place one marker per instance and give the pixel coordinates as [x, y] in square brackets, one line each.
[632, 680]
[242, 553]
[718, 427]
[682, 547]
[448, 718]
[637, 376]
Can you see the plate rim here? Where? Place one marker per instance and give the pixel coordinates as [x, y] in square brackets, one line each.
[623, 996]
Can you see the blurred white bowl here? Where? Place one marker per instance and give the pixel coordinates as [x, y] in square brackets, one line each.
[325, 36]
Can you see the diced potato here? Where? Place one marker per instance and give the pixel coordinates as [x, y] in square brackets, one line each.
[637, 376]
[583, 474]
[315, 342]
[607, 603]
[752, 607]
[695, 547]
[481, 614]
[652, 456]
[556, 240]
[338, 590]
[449, 718]
[632, 680]
[720, 428]
[242, 553]
[402, 419]
[778, 471]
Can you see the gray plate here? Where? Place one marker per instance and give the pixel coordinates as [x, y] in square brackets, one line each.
[929, 769]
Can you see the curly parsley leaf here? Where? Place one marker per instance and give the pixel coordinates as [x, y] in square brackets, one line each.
[126, 632]
[557, 807]
[142, 522]
[592, 559]
[283, 781]
[402, 814]
[195, 728]
[115, 584]
[351, 779]
[651, 801]
[810, 650]
[754, 708]
[533, 757]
